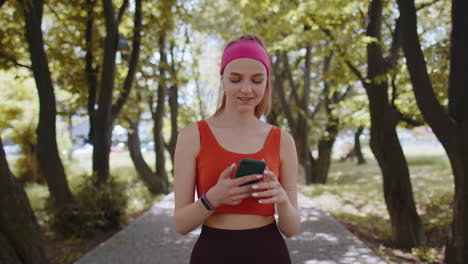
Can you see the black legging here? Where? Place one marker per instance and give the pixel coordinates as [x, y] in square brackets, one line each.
[259, 245]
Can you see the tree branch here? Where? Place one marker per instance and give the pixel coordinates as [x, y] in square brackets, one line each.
[410, 121]
[316, 109]
[421, 6]
[353, 68]
[133, 64]
[306, 93]
[279, 75]
[394, 53]
[14, 61]
[356, 72]
[433, 112]
[394, 90]
[345, 94]
[64, 25]
[122, 10]
[287, 69]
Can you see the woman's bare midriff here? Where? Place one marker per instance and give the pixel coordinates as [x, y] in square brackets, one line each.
[238, 221]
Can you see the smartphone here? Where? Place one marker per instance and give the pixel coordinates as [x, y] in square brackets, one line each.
[249, 167]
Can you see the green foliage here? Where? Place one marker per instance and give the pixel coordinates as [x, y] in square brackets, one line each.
[18, 107]
[97, 209]
[13, 47]
[19, 111]
[27, 165]
[432, 255]
[64, 36]
[437, 218]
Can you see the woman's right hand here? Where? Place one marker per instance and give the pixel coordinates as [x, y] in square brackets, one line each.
[228, 191]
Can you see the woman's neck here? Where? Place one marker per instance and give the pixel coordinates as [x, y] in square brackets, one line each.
[237, 119]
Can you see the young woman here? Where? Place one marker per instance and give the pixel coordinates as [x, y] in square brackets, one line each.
[238, 223]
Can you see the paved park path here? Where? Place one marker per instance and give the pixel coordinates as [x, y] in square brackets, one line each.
[152, 239]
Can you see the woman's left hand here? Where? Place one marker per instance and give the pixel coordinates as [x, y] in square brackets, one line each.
[271, 188]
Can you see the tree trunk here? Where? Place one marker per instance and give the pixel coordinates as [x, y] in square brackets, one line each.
[173, 106]
[20, 238]
[158, 115]
[91, 71]
[325, 147]
[304, 116]
[144, 171]
[48, 156]
[107, 112]
[103, 115]
[322, 163]
[357, 146]
[279, 77]
[301, 138]
[298, 126]
[132, 64]
[451, 129]
[406, 225]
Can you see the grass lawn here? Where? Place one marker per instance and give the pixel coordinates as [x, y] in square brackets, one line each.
[354, 196]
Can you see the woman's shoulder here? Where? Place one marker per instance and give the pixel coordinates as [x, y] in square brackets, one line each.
[286, 138]
[189, 133]
[284, 134]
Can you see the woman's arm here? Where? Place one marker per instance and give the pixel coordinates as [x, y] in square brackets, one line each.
[288, 213]
[187, 214]
[284, 191]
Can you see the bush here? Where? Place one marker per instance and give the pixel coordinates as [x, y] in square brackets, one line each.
[437, 217]
[96, 210]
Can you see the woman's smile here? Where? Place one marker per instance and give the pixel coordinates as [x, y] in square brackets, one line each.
[245, 99]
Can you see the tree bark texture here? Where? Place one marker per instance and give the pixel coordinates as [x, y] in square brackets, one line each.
[450, 128]
[406, 224]
[47, 151]
[20, 238]
[158, 115]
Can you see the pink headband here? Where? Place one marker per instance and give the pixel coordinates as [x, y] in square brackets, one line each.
[245, 49]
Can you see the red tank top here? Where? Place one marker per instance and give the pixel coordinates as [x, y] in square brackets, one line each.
[213, 159]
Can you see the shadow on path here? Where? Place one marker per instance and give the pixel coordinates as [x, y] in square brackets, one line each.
[152, 239]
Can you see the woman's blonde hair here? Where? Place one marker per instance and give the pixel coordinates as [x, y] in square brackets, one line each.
[264, 107]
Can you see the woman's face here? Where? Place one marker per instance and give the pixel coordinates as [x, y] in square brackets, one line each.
[244, 82]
